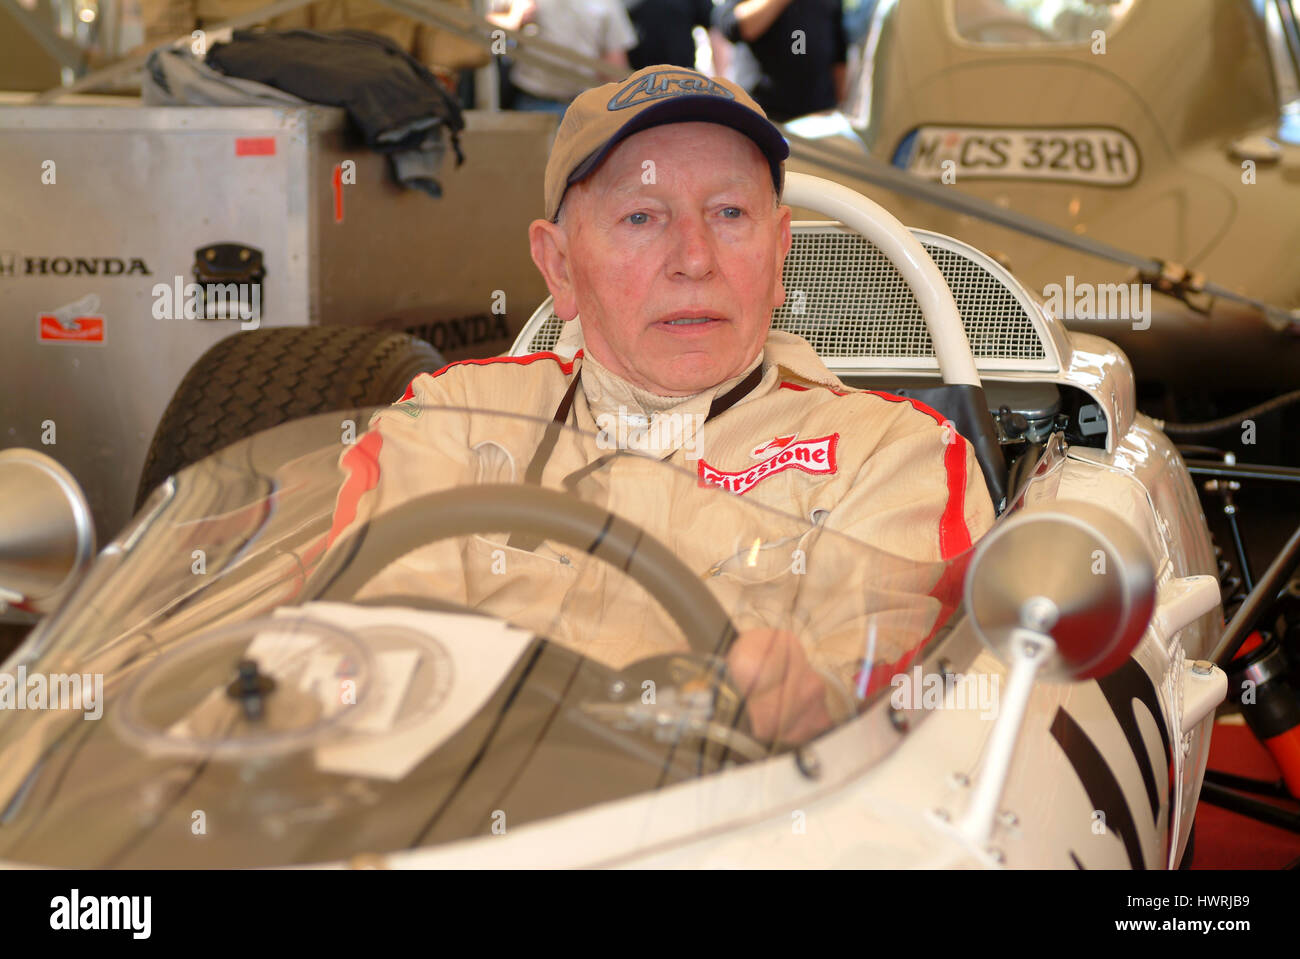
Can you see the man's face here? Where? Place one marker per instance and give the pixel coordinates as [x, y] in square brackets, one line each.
[671, 252]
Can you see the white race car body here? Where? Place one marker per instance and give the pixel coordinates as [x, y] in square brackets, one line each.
[503, 752]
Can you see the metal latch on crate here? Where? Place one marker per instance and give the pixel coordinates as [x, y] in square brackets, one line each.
[229, 277]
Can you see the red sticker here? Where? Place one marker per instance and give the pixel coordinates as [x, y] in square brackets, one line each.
[338, 193]
[254, 146]
[771, 446]
[80, 329]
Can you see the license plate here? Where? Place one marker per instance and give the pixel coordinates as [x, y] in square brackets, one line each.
[1098, 155]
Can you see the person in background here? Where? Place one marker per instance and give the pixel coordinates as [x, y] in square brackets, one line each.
[800, 49]
[165, 20]
[666, 31]
[596, 29]
[857, 18]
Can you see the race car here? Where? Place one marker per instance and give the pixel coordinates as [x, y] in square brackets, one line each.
[224, 686]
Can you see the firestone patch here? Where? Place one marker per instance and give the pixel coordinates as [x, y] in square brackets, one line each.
[816, 456]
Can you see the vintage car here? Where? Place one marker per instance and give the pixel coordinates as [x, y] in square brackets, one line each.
[1124, 144]
[230, 683]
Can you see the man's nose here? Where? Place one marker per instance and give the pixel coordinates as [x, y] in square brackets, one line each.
[693, 255]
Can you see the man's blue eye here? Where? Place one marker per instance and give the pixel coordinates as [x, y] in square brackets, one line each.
[732, 212]
[633, 218]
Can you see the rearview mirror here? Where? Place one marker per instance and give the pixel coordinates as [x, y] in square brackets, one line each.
[1071, 571]
[47, 537]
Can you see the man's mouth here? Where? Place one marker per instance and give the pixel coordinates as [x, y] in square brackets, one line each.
[691, 319]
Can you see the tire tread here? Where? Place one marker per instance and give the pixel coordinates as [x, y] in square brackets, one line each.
[254, 380]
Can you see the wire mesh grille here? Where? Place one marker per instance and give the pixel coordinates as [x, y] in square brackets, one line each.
[544, 339]
[848, 300]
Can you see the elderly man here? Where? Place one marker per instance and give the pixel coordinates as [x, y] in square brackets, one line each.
[662, 245]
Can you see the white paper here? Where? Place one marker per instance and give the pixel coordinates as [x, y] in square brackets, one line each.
[482, 652]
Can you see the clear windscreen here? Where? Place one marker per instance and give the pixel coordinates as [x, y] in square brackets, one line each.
[1031, 23]
[381, 630]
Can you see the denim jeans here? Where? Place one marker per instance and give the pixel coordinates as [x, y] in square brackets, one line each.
[526, 101]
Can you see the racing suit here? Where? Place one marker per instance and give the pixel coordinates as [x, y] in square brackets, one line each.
[902, 488]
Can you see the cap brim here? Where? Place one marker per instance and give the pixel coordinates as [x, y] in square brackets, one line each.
[702, 108]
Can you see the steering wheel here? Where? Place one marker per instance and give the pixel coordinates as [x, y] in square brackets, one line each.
[545, 514]
[548, 514]
[900, 247]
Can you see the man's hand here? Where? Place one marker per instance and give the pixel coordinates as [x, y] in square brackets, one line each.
[515, 14]
[785, 697]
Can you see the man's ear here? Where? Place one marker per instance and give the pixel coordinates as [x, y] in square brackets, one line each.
[549, 246]
[783, 250]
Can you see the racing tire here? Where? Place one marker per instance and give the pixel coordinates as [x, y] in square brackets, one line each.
[254, 380]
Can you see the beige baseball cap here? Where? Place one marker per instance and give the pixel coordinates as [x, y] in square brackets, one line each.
[600, 118]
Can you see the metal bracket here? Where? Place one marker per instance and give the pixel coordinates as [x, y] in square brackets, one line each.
[1204, 687]
[1174, 279]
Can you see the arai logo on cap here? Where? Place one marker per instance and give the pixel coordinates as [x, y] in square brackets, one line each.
[656, 86]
